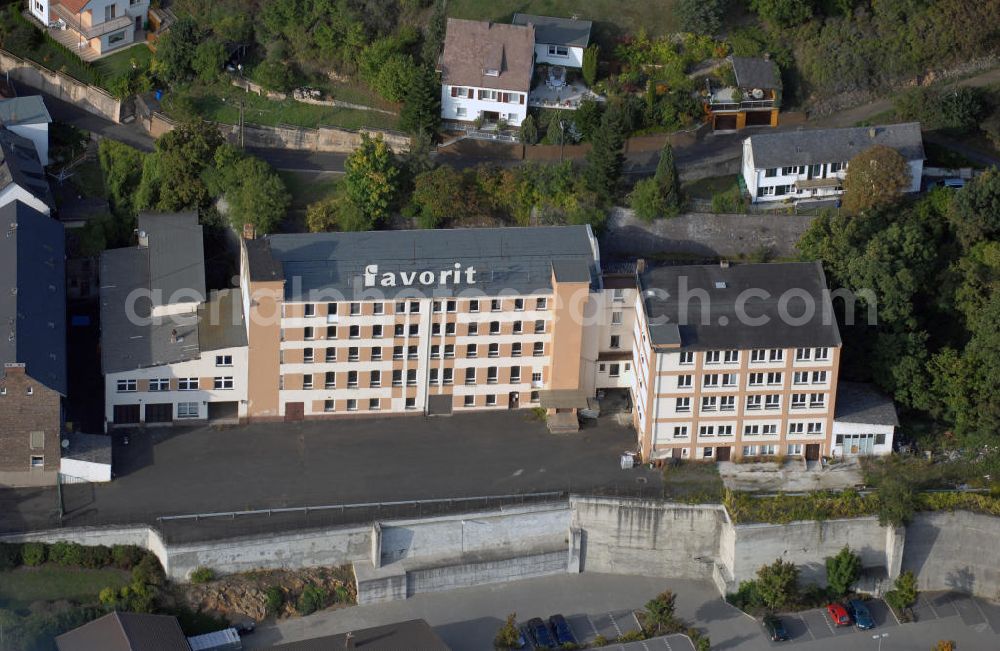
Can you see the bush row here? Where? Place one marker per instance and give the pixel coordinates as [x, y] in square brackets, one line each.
[68, 554]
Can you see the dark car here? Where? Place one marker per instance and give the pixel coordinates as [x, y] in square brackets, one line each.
[245, 627]
[775, 629]
[862, 616]
[541, 635]
[564, 634]
[838, 614]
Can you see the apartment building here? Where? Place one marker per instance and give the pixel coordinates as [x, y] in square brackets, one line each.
[731, 361]
[170, 351]
[429, 321]
[810, 164]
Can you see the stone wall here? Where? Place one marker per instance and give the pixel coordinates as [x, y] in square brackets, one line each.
[954, 551]
[62, 86]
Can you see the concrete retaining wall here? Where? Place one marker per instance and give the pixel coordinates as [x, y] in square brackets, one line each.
[89, 98]
[954, 551]
[464, 575]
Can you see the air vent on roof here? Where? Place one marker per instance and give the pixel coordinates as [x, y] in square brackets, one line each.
[720, 284]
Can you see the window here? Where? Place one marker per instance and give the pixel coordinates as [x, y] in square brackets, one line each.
[491, 400]
[706, 430]
[711, 380]
[798, 401]
[398, 330]
[126, 386]
[795, 428]
[451, 306]
[771, 172]
[375, 379]
[495, 305]
[751, 430]
[328, 405]
[753, 402]
[880, 439]
[307, 381]
[378, 308]
[449, 328]
[225, 382]
[434, 377]
[470, 376]
[400, 307]
[353, 354]
[712, 357]
[307, 355]
[436, 307]
[436, 351]
[515, 349]
[515, 374]
[558, 50]
[539, 326]
[732, 356]
[411, 377]
[821, 354]
[683, 381]
[541, 303]
[449, 351]
[376, 354]
[687, 357]
[187, 384]
[414, 307]
[352, 404]
[788, 171]
[352, 379]
[616, 318]
[469, 401]
[814, 428]
[817, 399]
[494, 350]
[471, 350]
[795, 450]
[774, 378]
[536, 377]
[309, 309]
[819, 377]
[836, 167]
[449, 375]
[223, 360]
[397, 352]
[618, 295]
[615, 370]
[758, 355]
[728, 379]
[330, 380]
[414, 329]
[683, 404]
[680, 431]
[473, 306]
[397, 376]
[331, 332]
[411, 403]
[706, 453]
[355, 309]
[616, 341]
[494, 327]
[538, 349]
[374, 404]
[36, 440]
[159, 384]
[518, 327]
[727, 403]
[709, 403]
[473, 329]
[756, 379]
[460, 111]
[725, 430]
[187, 409]
[772, 401]
[411, 352]
[803, 354]
[308, 333]
[800, 377]
[534, 396]
[376, 331]
[749, 450]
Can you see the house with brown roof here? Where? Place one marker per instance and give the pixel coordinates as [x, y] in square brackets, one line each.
[126, 632]
[92, 28]
[486, 71]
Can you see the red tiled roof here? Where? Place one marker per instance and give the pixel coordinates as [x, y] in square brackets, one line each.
[76, 6]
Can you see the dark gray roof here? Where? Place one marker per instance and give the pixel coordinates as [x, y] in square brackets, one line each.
[557, 31]
[506, 260]
[220, 321]
[858, 402]
[23, 110]
[176, 256]
[262, 265]
[20, 165]
[572, 271]
[415, 635]
[128, 343]
[33, 294]
[813, 146]
[95, 448]
[755, 73]
[126, 632]
[664, 287]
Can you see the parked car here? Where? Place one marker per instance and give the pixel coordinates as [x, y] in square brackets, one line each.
[775, 629]
[245, 627]
[839, 615]
[861, 615]
[564, 634]
[541, 635]
[955, 184]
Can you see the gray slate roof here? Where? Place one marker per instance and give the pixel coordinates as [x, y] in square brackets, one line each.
[24, 110]
[33, 294]
[858, 402]
[176, 256]
[220, 321]
[95, 448]
[20, 165]
[557, 31]
[724, 286]
[470, 46]
[814, 146]
[515, 260]
[754, 72]
[120, 631]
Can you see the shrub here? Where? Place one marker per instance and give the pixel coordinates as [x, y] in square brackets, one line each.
[148, 571]
[95, 556]
[202, 575]
[729, 201]
[842, 571]
[313, 598]
[747, 596]
[34, 553]
[274, 599]
[10, 556]
[127, 556]
[631, 636]
[507, 636]
[342, 595]
[66, 554]
[599, 641]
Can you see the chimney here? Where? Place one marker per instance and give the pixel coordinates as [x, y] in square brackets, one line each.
[143, 240]
[13, 368]
[640, 266]
[724, 264]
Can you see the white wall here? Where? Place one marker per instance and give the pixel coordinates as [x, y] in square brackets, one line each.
[14, 192]
[473, 107]
[85, 470]
[755, 178]
[40, 10]
[841, 428]
[38, 134]
[572, 60]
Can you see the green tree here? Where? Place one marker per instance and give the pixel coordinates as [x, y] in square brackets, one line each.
[777, 584]
[172, 174]
[336, 214]
[660, 613]
[208, 59]
[904, 593]
[605, 158]
[529, 130]
[876, 177]
[842, 571]
[657, 197]
[259, 198]
[121, 167]
[700, 16]
[434, 35]
[895, 502]
[274, 75]
[175, 50]
[589, 68]
[421, 112]
[975, 213]
[508, 636]
[783, 13]
[587, 118]
[371, 178]
[437, 196]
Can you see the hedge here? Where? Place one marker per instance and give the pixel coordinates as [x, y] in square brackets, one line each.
[70, 554]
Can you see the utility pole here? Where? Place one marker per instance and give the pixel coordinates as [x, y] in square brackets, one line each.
[242, 140]
[562, 138]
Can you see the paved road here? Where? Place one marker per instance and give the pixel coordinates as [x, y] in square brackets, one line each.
[204, 469]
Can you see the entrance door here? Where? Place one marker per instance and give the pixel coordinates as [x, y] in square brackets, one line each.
[676, 453]
[138, 23]
[294, 411]
[722, 454]
[513, 400]
[126, 414]
[160, 412]
[812, 452]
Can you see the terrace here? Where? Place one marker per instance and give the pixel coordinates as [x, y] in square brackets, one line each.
[559, 88]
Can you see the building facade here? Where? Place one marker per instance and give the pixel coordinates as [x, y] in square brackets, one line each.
[558, 41]
[94, 27]
[810, 164]
[753, 101]
[709, 385]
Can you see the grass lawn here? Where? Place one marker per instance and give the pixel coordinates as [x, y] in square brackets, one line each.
[306, 188]
[220, 102]
[707, 188]
[88, 179]
[692, 482]
[114, 65]
[611, 18]
[20, 587]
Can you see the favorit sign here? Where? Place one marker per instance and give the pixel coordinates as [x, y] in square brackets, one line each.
[373, 278]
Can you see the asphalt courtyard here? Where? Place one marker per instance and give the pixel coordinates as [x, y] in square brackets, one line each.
[264, 466]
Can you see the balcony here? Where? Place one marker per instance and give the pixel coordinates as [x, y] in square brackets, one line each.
[100, 29]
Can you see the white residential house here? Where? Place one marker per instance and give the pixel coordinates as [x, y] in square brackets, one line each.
[28, 117]
[865, 421]
[558, 41]
[812, 163]
[92, 28]
[486, 71]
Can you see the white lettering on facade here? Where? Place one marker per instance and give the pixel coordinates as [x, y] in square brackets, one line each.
[373, 277]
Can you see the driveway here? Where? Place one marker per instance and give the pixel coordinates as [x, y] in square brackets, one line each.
[259, 466]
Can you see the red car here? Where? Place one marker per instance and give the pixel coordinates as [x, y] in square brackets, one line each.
[839, 615]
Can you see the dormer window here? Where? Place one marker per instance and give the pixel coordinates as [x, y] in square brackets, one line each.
[491, 72]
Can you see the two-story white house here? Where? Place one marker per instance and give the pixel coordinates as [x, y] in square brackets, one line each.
[812, 163]
[486, 71]
[558, 41]
[92, 28]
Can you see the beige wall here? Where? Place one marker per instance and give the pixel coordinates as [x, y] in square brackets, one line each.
[264, 339]
[567, 335]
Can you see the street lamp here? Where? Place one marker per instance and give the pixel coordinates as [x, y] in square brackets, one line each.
[880, 637]
[562, 138]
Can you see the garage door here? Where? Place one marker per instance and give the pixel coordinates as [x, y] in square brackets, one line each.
[126, 414]
[227, 411]
[725, 122]
[758, 118]
[160, 412]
